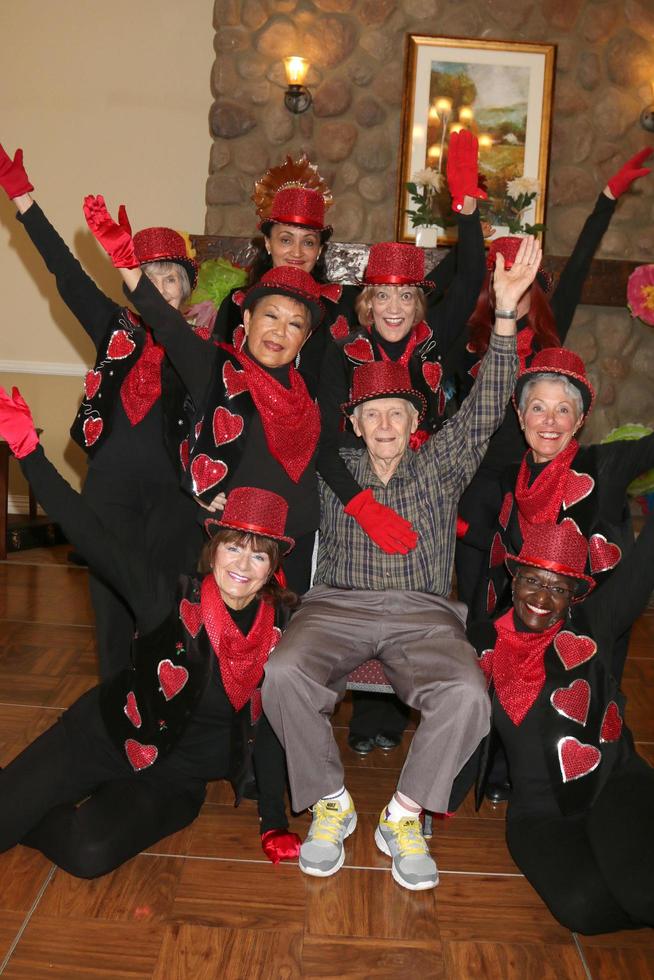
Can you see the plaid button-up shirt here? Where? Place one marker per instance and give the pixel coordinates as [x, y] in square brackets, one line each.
[425, 489]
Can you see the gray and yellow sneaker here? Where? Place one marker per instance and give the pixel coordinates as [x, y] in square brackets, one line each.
[322, 853]
[413, 866]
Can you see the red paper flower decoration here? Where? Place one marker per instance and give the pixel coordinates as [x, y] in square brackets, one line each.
[640, 293]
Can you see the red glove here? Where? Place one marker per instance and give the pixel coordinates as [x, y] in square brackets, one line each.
[629, 172]
[13, 179]
[280, 845]
[16, 424]
[116, 239]
[462, 168]
[390, 532]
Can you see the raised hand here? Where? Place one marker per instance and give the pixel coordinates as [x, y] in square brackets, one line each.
[510, 284]
[115, 237]
[16, 423]
[629, 172]
[462, 169]
[13, 178]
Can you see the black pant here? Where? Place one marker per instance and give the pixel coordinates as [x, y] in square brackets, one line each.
[595, 870]
[297, 564]
[161, 518]
[480, 506]
[374, 712]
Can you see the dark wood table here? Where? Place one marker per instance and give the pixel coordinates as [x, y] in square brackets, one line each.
[5, 453]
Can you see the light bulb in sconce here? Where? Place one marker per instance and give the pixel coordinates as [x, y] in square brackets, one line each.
[297, 97]
[647, 116]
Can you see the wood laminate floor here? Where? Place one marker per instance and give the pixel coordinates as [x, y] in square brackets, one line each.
[206, 904]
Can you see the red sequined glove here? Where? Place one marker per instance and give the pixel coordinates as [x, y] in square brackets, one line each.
[390, 532]
[462, 169]
[629, 172]
[16, 424]
[116, 239]
[13, 179]
[280, 845]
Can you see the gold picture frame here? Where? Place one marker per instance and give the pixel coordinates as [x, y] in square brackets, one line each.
[505, 89]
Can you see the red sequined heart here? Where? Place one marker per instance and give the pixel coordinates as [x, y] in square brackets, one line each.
[423, 332]
[611, 724]
[92, 383]
[574, 650]
[239, 338]
[340, 328]
[190, 614]
[120, 346]
[577, 759]
[92, 430]
[140, 756]
[226, 427]
[132, 711]
[498, 551]
[505, 512]
[491, 598]
[573, 702]
[172, 678]
[206, 472]
[604, 555]
[184, 453]
[568, 520]
[235, 381]
[432, 372]
[360, 350]
[577, 486]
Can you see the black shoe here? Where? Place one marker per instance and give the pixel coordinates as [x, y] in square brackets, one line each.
[498, 792]
[362, 744]
[387, 740]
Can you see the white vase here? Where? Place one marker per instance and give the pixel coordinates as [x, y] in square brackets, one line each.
[427, 236]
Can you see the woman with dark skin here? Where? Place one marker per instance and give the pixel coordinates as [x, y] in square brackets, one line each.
[580, 815]
[139, 749]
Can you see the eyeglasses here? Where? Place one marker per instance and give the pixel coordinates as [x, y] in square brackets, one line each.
[535, 584]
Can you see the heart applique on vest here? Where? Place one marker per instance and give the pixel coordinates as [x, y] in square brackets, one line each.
[577, 759]
[611, 727]
[604, 555]
[574, 650]
[132, 711]
[206, 472]
[120, 346]
[226, 426]
[190, 614]
[172, 678]
[572, 702]
[92, 430]
[140, 756]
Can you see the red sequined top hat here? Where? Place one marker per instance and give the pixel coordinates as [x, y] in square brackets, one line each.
[559, 360]
[164, 245]
[508, 245]
[396, 264]
[383, 379]
[298, 206]
[292, 281]
[293, 194]
[559, 548]
[254, 511]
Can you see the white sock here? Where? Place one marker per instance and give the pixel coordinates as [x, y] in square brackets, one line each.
[342, 797]
[396, 809]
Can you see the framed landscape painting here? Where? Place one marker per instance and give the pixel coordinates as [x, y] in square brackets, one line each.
[502, 92]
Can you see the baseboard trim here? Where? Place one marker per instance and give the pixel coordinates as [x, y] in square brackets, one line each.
[56, 368]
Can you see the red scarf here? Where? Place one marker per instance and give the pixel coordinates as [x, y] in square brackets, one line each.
[524, 345]
[408, 350]
[241, 658]
[142, 386]
[541, 502]
[290, 418]
[518, 665]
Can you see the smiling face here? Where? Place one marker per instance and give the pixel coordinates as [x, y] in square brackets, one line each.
[293, 245]
[240, 571]
[276, 328]
[549, 418]
[385, 425]
[540, 597]
[393, 310]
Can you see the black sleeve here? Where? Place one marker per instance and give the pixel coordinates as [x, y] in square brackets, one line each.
[332, 393]
[448, 318]
[191, 356]
[442, 275]
[126, 570]
[228, 319]
[85, 301]
[618, 464]
[571, 282]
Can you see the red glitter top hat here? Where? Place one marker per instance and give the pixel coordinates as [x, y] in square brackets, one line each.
[383, 379]
[254, 511]
[558, 360]
[292, 281]
[508, 246]
[395, 264]
[559, 548]
[164, 245]
[298, 206]
[293, 193]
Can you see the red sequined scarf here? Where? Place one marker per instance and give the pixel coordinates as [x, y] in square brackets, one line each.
[142, 386]
[241, 658]
[518, 665]
[408, 350]
[524, 345]
[291, 420]
[541, 502]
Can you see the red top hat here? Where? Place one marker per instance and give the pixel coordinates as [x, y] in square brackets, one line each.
[558, 360]
[508, 246]
[383, 379]
[395, 264]
[298, 206]
[254, 511]
[289, 280]
[559, 548]
[293, 193]
[164, 245]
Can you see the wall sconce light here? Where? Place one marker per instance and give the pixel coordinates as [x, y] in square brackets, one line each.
[297, 97]
[647, 117]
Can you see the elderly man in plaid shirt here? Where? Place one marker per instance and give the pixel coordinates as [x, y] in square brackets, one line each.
[394, 606]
